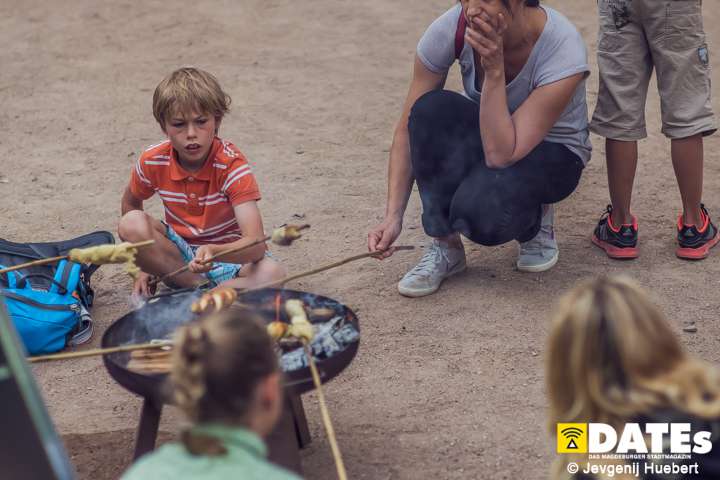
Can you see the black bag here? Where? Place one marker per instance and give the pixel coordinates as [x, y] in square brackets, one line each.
[41, 276]
[33, 292]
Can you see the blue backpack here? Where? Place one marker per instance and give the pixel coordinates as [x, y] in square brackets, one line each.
[48, 305]
[46, 320]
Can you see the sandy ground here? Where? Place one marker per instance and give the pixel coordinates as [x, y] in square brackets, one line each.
[445, 387]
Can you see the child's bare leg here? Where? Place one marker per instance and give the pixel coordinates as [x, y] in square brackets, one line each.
[160, 258]
[687, 158]
[265, 271]
[622, 160]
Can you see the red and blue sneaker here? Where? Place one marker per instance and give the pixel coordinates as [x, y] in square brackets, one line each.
[695, 243]
[618, 242]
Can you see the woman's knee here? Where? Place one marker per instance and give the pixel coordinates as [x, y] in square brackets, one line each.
[427, 104]
[440, 110]
[434, 108]
[443, 137]
[135, 226]
[563, 186]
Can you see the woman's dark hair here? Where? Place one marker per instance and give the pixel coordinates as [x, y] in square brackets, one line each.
[529, 3]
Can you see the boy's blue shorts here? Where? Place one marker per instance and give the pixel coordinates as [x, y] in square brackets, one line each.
[221, 271]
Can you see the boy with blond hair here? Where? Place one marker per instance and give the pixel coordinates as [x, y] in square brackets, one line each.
[637, 36]
[207, 188]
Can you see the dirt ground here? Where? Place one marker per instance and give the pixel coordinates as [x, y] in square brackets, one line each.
[444, 387]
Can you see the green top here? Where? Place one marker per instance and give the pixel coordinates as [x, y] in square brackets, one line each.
[245, 459]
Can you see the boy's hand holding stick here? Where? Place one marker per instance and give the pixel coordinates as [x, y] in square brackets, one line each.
[284, 235]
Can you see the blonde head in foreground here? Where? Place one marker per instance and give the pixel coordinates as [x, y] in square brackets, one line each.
[612, 357]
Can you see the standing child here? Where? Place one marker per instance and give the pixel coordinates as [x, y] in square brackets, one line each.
[635, 37]
[206, 186]
[225, 378]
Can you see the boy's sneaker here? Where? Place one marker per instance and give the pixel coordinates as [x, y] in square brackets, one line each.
[695, 243]
[540, 253]
[618, 242]
[438, 263]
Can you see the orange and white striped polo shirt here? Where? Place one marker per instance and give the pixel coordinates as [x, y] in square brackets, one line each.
[198, 205]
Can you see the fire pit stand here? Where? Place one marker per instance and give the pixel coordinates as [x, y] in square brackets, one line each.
[334, 348]
[284, 443]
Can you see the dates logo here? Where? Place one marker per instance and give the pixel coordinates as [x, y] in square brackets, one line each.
[598, 438]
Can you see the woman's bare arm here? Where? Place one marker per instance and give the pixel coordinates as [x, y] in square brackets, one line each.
[507, 139]
[400, 177]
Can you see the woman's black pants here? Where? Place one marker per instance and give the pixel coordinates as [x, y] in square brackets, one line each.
[460, 193]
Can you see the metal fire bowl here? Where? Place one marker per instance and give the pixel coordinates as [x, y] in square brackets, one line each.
[161, 316]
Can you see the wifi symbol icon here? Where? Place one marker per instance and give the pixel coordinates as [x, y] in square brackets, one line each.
[572, 438]
[571, 434]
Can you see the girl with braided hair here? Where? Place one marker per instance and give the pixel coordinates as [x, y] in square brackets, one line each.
[225, 378]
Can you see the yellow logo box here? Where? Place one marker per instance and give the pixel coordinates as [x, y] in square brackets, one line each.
[572, 437]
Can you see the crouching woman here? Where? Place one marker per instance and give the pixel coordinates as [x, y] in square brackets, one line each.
[225, 378]
[489, 164]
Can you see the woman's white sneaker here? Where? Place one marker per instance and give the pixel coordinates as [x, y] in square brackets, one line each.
[541, 253]
[439, 262]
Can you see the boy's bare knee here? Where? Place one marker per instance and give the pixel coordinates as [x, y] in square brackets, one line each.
[135, 226]
[271, 270]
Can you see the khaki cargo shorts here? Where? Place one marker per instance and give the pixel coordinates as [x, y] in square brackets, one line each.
[637, 36]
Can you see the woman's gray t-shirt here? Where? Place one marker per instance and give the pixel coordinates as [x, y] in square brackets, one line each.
[558, 53]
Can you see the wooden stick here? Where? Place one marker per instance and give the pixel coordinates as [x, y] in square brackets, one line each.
[144, 243]
[99, 351]
[45, 261]
[339, 464]
[42, 261]
[216, 256]
[285, 280]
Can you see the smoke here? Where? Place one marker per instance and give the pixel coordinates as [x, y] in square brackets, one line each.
[136, 301]
[154, 319]
[158, 318]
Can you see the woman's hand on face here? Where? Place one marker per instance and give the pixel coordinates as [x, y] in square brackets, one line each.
[383, 236]
[485, 36]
